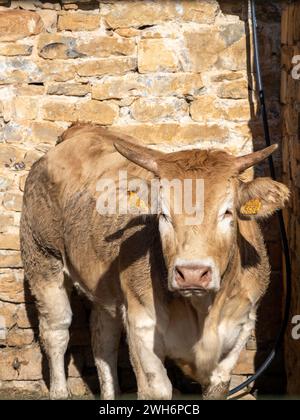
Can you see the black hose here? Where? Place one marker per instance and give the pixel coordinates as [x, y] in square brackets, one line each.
[283, 234]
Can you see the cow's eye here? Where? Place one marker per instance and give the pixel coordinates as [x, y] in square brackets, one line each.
[228, 214]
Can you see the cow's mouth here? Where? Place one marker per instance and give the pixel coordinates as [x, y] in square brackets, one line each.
[192, 291]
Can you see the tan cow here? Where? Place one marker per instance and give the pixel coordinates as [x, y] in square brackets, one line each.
[184, 291]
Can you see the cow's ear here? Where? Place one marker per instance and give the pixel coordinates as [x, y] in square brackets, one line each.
[141, 156]
[261, 198]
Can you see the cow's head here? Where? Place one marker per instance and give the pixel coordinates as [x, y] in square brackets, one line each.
[198, 255]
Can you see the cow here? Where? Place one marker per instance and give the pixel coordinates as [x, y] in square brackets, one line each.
[184, 291]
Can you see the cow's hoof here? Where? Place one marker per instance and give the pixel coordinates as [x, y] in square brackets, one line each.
[155, 395]
[59, 394]
[216, 392]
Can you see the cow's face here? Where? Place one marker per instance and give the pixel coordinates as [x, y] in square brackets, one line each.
[197, 245]
[199, 236]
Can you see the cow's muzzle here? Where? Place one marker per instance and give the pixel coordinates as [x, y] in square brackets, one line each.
[192, 277]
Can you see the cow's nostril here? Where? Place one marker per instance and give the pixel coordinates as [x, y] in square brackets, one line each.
[179, 273]
[193, 276]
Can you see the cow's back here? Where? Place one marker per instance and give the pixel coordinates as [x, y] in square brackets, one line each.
[65, 215]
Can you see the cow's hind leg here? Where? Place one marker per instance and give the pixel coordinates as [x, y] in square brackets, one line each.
[106, 327]
[48, 286]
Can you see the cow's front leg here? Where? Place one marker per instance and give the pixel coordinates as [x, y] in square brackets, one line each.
[216, 392]
[147, 356]
[106, 329]
[218, 387]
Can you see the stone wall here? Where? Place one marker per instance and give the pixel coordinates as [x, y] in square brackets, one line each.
[170, 73]
[290, 97]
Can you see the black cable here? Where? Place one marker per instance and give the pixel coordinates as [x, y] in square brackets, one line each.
[283, 234]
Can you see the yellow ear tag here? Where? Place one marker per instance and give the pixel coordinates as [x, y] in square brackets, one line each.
[251, 207]
[136, 201]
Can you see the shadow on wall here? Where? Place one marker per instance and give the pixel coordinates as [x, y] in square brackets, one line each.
[269, 316]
